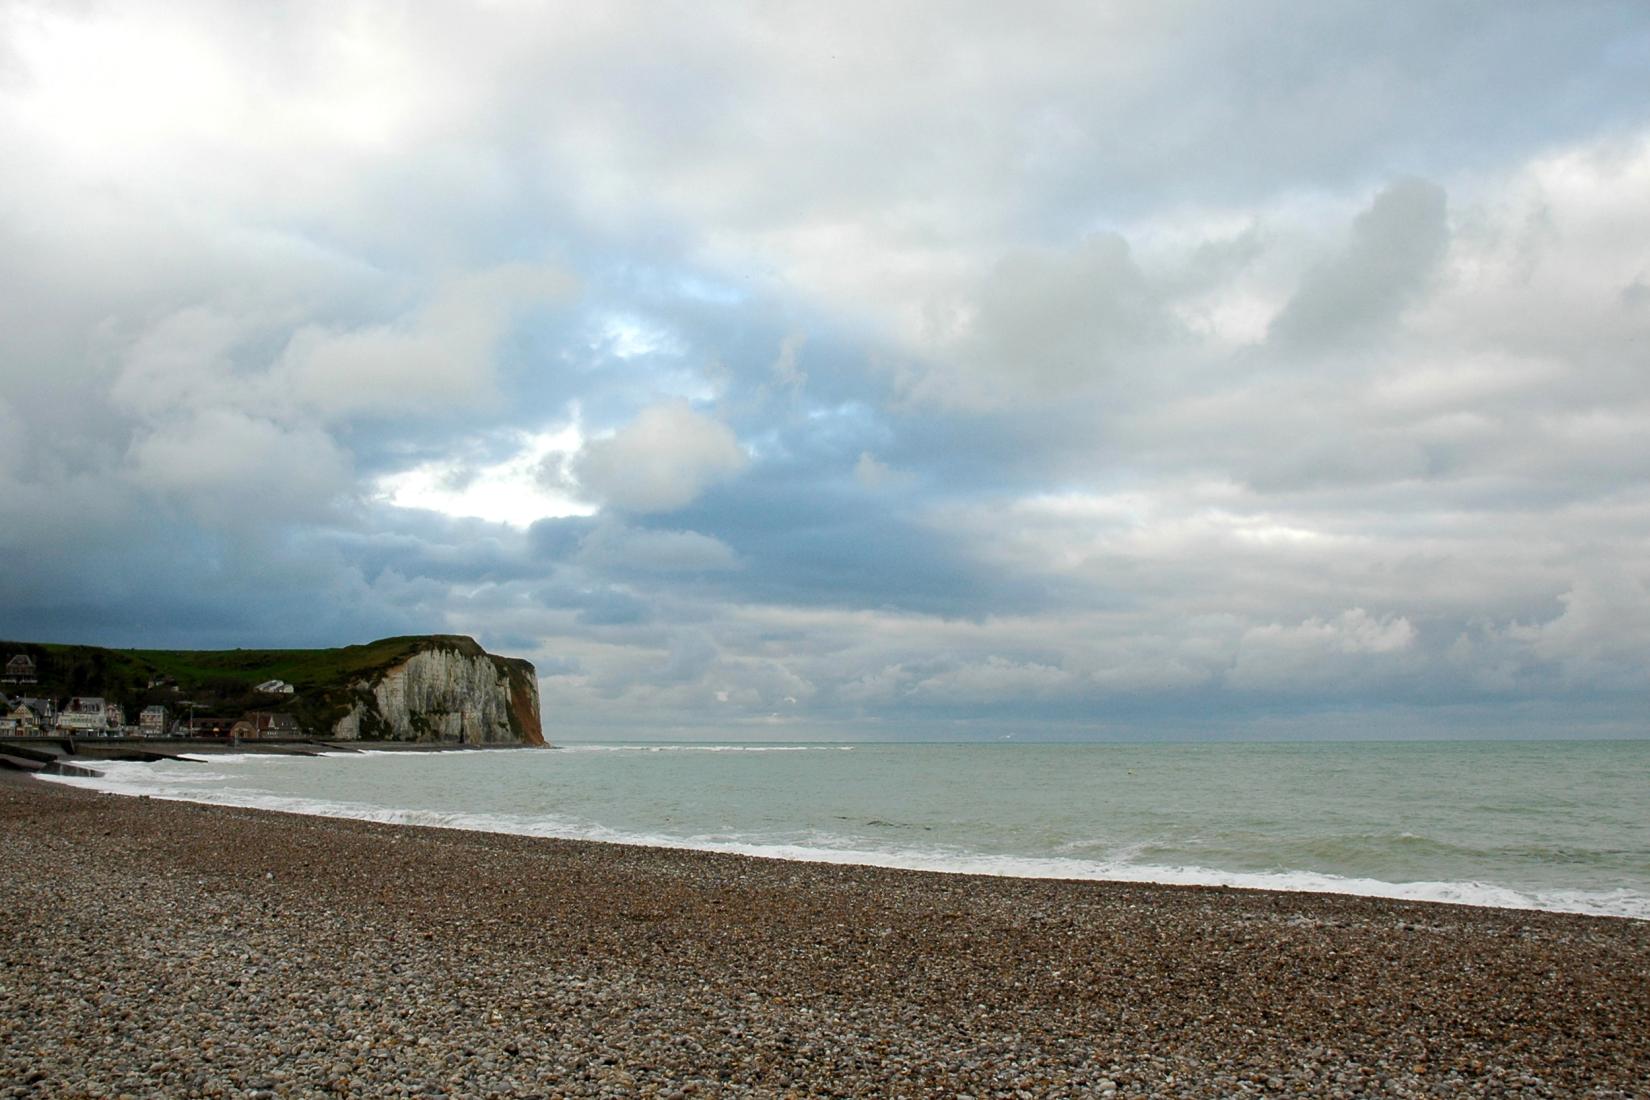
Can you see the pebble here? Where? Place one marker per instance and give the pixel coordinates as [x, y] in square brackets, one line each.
[159, 949]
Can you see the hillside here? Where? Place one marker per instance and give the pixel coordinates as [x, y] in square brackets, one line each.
[332, 687]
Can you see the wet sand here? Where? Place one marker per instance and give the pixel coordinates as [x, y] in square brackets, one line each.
[167, 949]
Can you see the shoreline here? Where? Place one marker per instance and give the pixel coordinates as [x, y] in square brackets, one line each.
[1471, 894]
[365, 957]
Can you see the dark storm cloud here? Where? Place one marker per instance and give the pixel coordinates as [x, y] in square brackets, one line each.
[810, 541]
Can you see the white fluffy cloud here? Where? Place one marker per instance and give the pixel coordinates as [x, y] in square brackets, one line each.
[1279, 656]
[660, 461]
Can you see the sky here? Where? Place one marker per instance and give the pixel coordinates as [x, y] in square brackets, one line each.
[854, 370]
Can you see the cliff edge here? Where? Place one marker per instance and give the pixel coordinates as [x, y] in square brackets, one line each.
[447, 689]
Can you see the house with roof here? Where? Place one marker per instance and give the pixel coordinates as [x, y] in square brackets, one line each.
[275, 687]
[20, 669]
[266, 723]
[152, 721]
[211, 727]
[26, 718]
[84, 714]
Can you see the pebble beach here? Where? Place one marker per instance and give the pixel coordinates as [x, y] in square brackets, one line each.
[165, 949]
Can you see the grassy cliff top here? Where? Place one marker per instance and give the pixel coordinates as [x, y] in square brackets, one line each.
[296, 666]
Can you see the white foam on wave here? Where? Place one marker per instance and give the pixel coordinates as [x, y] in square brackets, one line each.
[144, 779]
[226, 757]
[123, 777]
[1617, 903]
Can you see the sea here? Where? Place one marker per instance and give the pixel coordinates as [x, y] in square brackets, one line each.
[1559, 825]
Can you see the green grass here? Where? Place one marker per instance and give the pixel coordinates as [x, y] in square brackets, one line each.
[299, 667]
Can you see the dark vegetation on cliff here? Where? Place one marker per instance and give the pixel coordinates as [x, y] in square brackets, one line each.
[223, 682]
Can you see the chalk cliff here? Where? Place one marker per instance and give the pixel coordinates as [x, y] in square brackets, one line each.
[425, 687]
[448, 689]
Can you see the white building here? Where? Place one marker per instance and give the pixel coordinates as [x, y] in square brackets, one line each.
[275, 687]
[84, 714]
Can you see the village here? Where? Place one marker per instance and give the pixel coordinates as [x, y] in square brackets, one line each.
[25, 715]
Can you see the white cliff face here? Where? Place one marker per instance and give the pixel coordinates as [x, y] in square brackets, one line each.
[440, 694]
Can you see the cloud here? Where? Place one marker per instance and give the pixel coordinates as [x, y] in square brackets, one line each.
[232, 463]
[996, 680]
[691, 655]
[1051, 322]
[615, 548]
[1353, 645]
[875, 474]
[661, 461]
[441, 356]
[1353, 631]
[761, 386]
[875, 689]
[787, 369]
[1602, 633]
[1394, 248]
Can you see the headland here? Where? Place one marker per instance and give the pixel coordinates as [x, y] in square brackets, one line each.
[430, 688]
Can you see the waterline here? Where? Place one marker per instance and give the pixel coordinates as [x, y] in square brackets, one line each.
[1556, 826]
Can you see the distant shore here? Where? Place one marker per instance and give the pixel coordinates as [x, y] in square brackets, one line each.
[174, 949]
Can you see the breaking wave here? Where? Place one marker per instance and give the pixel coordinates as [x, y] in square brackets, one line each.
[821, 847]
